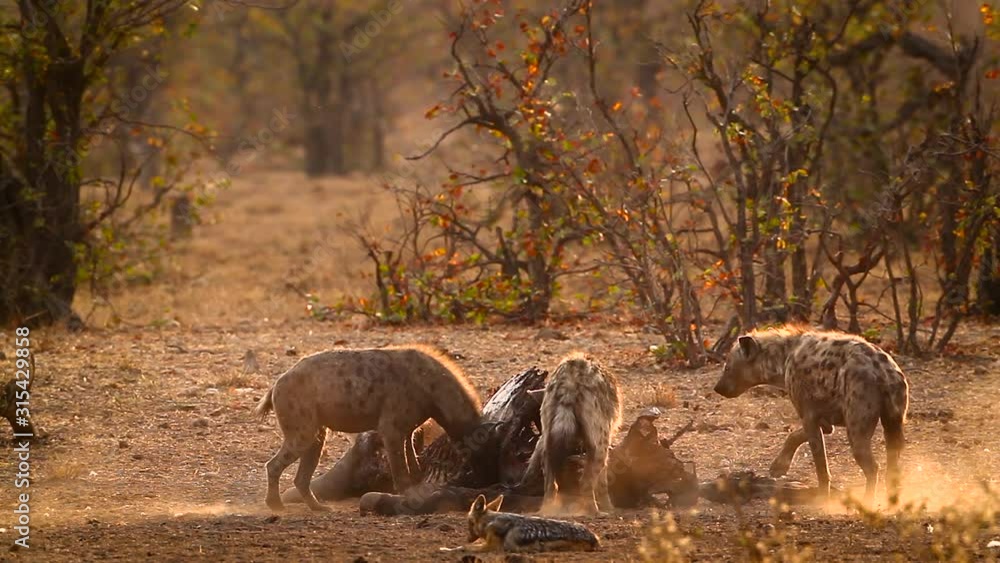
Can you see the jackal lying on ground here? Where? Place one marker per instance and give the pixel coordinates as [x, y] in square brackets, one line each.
[503, 531]
[581, 410]
[392, 390]
[832, 379]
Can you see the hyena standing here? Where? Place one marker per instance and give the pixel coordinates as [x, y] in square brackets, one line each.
[581, 410]
[392, 390]
[832, 379]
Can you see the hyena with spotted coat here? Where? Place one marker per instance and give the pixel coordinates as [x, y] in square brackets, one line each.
[581, 411]
[832, 379]
[392, 390]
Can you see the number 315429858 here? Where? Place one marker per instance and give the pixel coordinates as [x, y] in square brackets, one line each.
[24, 367]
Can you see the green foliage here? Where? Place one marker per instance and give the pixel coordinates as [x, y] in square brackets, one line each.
[75, 80]
[849, 153]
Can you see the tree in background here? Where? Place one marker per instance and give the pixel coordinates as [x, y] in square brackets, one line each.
[57, 61]
[338, 52]
[848, 161]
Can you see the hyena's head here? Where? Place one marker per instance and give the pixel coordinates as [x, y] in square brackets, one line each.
[480, 508]
[744, 368]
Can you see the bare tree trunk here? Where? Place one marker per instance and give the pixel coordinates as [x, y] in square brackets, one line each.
[800, 306]
[136, 151]
[378, 124]
[775, 292]
[343, 124]
[316, 146]
[323, 139]
[241, 72]
[749, 306]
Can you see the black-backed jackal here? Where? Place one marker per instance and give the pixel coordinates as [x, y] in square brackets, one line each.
[507, 532]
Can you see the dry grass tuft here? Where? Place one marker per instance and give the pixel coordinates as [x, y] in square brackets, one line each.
[234, 380]
[663, 395]
[959, 532]
[65, 470]
[664, 542]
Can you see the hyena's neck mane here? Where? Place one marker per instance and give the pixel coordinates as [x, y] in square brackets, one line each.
[457, 403]
[776, 345]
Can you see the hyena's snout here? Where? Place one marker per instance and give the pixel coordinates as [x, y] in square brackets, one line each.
[728, 387]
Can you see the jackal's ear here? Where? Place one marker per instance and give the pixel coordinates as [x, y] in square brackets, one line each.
[495, 505]
[479, 505]
[749, 345]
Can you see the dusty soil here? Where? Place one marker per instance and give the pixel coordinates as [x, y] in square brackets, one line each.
[151, 452]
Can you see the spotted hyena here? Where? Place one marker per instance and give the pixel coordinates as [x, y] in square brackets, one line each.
[391, 390]
[581, 411]
[832, 379]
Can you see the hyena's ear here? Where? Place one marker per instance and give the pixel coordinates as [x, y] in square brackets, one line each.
[749, 345]
[495, 505]
[479, 505]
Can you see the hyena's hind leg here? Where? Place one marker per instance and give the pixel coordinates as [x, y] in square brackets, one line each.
[859, 434]
[593, 494]
[550, 500]
[307, 466]
[275, 467]
[814, 435]
[286, 456]
[602, 493]
[781, 463]
[892, 426]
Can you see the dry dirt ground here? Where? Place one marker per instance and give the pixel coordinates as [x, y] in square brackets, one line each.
[152, 453]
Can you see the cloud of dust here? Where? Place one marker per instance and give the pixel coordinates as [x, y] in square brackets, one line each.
[178, 510]
[927, 485]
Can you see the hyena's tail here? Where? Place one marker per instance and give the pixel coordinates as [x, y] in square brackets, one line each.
[896, 402]
[561, 441]
[894, 406]
[265, 405]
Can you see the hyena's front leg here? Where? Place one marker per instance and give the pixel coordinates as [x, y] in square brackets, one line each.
[534, 469]
[392, 439]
